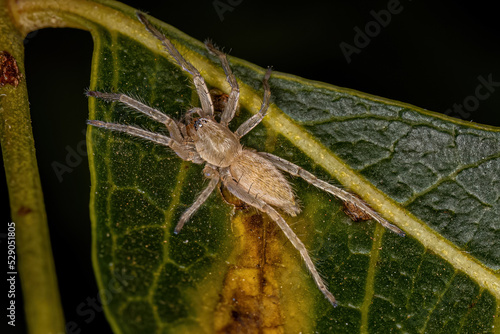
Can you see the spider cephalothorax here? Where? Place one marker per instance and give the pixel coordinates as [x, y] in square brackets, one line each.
[253, 177]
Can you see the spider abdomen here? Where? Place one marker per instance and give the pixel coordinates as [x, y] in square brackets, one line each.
[261, 179]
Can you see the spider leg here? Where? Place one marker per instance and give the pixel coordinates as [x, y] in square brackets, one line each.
[212, 173]
[232, 102]
[252, 122]
[199, 82]
[185, 152]
[197, 204]
[152, 113]
[243, 195]
[343, 195]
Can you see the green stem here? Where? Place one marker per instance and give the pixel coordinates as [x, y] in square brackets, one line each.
[35, 263]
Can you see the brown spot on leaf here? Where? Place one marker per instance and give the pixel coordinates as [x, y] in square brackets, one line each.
[250, 299]
[9, 72]
[219, 99]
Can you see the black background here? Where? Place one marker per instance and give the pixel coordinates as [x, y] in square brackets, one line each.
[430, 55]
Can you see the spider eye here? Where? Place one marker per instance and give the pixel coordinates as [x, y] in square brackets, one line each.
[199, 123]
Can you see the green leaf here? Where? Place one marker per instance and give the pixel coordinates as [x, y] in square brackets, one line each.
[433, 176]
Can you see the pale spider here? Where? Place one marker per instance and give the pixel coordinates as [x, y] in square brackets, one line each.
[253, 177]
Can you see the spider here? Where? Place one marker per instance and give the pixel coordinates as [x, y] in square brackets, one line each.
[254, 177]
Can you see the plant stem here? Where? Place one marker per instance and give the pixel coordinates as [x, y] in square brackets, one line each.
[35, 263]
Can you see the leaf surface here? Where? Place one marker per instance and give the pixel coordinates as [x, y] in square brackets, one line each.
[433, 176]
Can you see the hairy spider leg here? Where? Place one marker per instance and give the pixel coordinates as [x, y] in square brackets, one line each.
[185, 152]
[199, 82]
[343, 195]
[252, 122]
[243, 195]
[197, 204]
[152, 113]
[234, 95]
[179, 149]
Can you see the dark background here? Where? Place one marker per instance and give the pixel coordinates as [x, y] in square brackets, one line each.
[430, 55]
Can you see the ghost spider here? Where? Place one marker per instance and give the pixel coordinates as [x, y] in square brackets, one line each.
[253, 177]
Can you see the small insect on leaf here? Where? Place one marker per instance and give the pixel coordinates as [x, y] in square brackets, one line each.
[355, 213]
